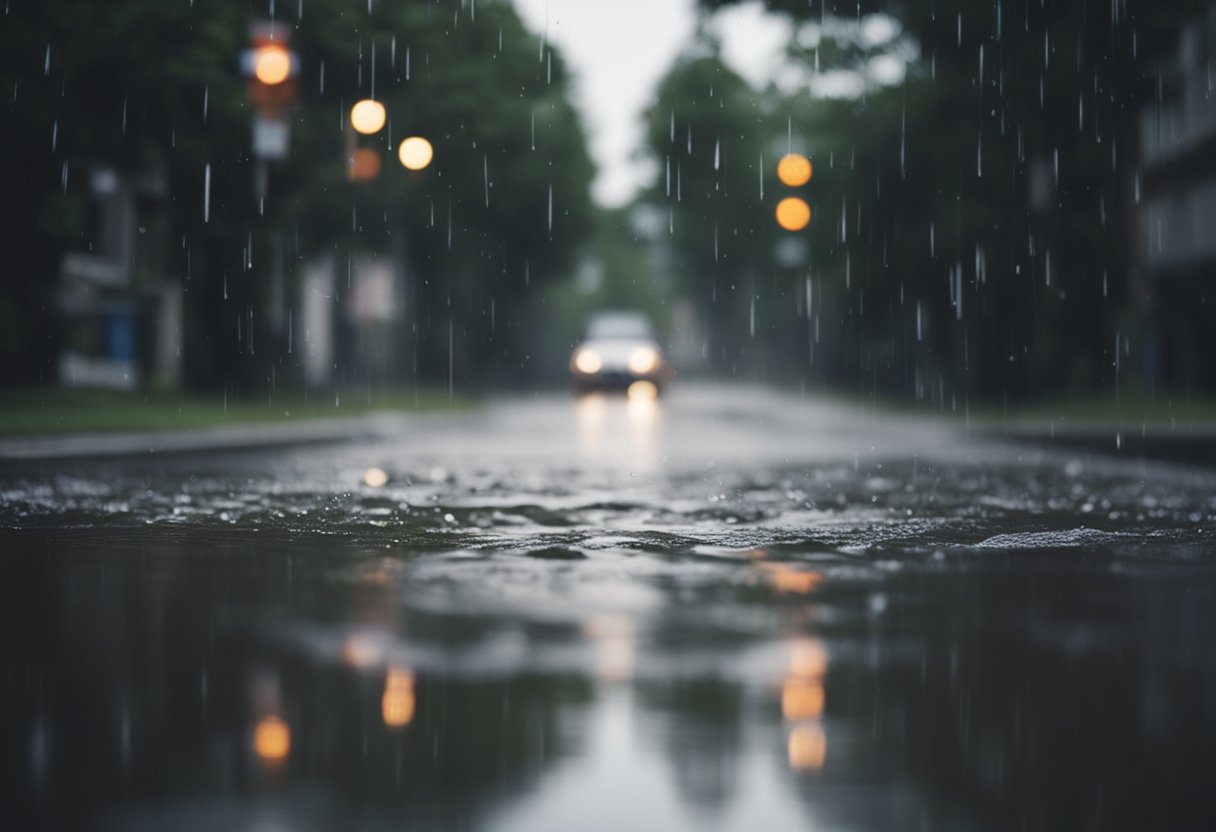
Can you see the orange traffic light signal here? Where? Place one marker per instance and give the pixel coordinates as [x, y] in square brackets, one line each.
[271, 68]
[793, 213]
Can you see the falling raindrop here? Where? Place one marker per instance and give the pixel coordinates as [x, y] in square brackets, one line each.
[550, 207]
[903, 131]
[717, 154]
[958, 292]
[207, 194]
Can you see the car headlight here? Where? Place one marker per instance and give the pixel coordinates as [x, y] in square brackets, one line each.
[588, 361]
[643, 360]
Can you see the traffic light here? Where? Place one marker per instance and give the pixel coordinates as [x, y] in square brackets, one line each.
[793, 213]
[271, 68]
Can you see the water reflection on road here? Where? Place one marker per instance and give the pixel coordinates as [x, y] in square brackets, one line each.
[710, 611]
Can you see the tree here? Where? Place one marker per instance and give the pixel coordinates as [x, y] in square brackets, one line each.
[994, 189]
[142, 85]
[708, 133]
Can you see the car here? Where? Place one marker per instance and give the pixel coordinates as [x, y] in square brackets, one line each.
[620, 351]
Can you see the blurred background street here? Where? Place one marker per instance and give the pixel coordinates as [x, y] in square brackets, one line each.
[709, 414]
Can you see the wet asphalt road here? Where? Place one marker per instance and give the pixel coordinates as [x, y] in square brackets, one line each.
[725, 610]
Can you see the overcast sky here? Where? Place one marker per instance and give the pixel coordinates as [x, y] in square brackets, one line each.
[618, 50]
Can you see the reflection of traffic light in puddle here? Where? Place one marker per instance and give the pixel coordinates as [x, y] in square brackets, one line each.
[793, 213]
[802, 704]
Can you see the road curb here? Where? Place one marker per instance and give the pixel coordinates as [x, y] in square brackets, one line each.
[227, 438]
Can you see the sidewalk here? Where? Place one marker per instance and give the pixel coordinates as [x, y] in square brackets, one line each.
[225, 438]
[1191, 443]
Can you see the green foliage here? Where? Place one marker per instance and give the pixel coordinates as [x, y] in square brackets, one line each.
[710, 134]
[151, 87]
[985, 206]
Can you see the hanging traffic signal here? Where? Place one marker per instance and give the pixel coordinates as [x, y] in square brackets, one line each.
[793, 213]
[271, 68]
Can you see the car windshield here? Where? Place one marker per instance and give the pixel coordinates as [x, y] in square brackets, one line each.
[619, 325]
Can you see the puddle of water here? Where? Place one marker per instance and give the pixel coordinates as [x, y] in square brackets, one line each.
[369, 638]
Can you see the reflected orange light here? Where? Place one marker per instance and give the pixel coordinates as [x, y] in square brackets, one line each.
[808, 659]
[361, 651]
[415, 153]
[793, 213]
[801, 699]
[364, 165]
[792, 581]
[398, 703]
[272, 739]
[794, 170]
[808, 748]
[642, 391]
[614, 635]
[367, 116]
[271, 64]
[616, 660]
[375, 477]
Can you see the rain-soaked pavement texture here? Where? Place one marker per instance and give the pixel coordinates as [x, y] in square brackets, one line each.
[728, 610]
